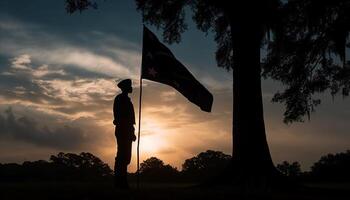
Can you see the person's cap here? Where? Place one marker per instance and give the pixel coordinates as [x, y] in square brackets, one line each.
[126, 83]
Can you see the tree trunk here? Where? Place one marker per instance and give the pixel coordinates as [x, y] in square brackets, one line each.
[251, 156]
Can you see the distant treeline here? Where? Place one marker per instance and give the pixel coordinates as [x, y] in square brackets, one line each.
[87, 167]
[62, 167]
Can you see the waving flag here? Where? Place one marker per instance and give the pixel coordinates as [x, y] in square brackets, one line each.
[160, 65]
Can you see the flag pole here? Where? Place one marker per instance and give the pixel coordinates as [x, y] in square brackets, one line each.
[139, 127]
[138, 135]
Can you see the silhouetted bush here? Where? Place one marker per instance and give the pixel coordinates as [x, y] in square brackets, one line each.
[154, 169]
[205, 165]
[332, 167]
[291, 170]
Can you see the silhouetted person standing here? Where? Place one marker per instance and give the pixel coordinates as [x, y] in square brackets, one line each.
[124, 120]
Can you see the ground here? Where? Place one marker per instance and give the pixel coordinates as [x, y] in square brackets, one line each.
[159, 191]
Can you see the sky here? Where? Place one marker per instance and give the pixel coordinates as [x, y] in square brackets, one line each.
[57, 86]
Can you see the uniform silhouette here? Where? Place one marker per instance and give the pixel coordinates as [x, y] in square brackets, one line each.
[124, 120]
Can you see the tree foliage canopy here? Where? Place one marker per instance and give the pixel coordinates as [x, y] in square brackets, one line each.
[154, 169]
[81, 164]
[289, 169]
[308, 54]
[61, 167]
[205, 164]
[334, 167]
[87, 167]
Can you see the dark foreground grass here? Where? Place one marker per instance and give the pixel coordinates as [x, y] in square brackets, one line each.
[105, 190]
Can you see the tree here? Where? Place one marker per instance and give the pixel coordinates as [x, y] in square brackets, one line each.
[205, 165]
[61, 167]
[332, 167]
[11, 172]
[303, 37]
[289, 169]
[308, 54]
[155, 169]
[36, 170]
[83, 166]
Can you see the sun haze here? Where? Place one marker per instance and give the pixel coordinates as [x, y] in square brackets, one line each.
[57, 86]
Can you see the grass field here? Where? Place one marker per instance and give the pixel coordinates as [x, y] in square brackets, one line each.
[105, 190]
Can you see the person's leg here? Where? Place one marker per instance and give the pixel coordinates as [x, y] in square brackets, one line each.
[127, 148]
[121, 163]
[118, 164]
[117, 179]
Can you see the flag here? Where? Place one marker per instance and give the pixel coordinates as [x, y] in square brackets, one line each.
[160, 65]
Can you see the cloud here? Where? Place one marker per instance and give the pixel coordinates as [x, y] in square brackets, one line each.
[28, 129]
[55, 90]
[168, 95]
[84, 59]
[33, 42]
[21, 62]
[85, 91]
[64, 87]
[44, 71]
[105, 54]
[22, 65]
[215, 84]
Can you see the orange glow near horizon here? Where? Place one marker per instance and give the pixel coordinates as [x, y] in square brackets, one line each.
[155, 139]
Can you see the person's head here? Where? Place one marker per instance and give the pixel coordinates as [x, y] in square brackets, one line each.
[125, 86]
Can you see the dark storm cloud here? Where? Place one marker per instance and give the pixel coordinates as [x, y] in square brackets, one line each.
[28, 129]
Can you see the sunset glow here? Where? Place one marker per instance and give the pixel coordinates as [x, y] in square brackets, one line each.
[57, 86]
